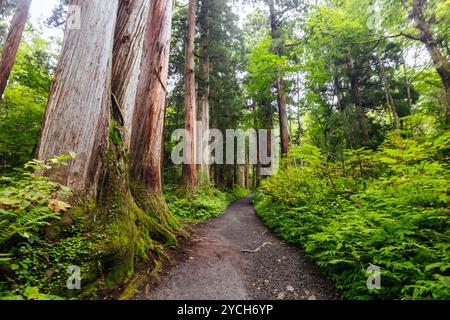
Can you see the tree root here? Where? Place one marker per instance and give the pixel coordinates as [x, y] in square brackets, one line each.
[260, 247]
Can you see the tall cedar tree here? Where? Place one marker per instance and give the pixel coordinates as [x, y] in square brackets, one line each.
[12, 42]
[203, 111]
[78, 111]
[189, 168]
[148, 119]
[81, 116]
[127, 56]
[280, 83]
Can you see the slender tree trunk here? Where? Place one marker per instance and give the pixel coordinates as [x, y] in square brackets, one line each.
[407, 84]
[257, 167]
[441, 62]
[204, 89]
[127, 56]
[283, 118]
[281, 92]
[240, 173]
[358, 102]
[148, 120]
[189, 168]
[389, 100]
[246, 170]
[12, 42]
[78, 111]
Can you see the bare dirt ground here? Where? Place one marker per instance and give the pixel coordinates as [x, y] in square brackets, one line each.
[235, 257]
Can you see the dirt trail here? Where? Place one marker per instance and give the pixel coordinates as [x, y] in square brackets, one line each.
[235, 256]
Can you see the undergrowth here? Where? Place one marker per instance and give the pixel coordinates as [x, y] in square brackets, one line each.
[203, 204]
[385, 208]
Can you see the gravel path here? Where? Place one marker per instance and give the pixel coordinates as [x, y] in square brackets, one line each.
[235, 257]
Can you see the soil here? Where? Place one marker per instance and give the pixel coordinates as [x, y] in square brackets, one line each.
[235, 257]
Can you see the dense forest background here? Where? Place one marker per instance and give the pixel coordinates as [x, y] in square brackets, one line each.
[357, 91]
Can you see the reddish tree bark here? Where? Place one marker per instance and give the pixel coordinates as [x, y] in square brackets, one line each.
[203, 92]
[78, 111]
[12, 42]
[131, 24]
[148, 120]
[189, 168]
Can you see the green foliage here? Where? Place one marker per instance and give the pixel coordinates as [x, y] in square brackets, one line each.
[28, 203]
[22, 107]
[199, 206]
[40, 244]
[239, 192]
[30, 293]
[387, 208]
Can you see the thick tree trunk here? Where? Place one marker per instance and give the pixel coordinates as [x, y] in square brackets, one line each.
[148, 121]
[189, 168]
[77, 115]
[203, 92]
[12, 42]
[82, 117]
[127, 56]
[358, 102]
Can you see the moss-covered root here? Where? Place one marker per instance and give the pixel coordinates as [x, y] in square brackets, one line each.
[155, 205]
[130, 232]
[125, 242]
[135, 284]
[130, 236]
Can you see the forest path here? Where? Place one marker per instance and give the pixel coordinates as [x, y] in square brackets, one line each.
[235, 256]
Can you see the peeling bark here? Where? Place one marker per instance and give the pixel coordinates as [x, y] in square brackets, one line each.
[148, 120]
[189, 168]
[78, 111]
[127, 56]
[203, 92]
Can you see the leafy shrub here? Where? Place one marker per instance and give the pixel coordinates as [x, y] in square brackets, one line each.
[387, 208]
[28, 203]
[199, 206]
[239, 192]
